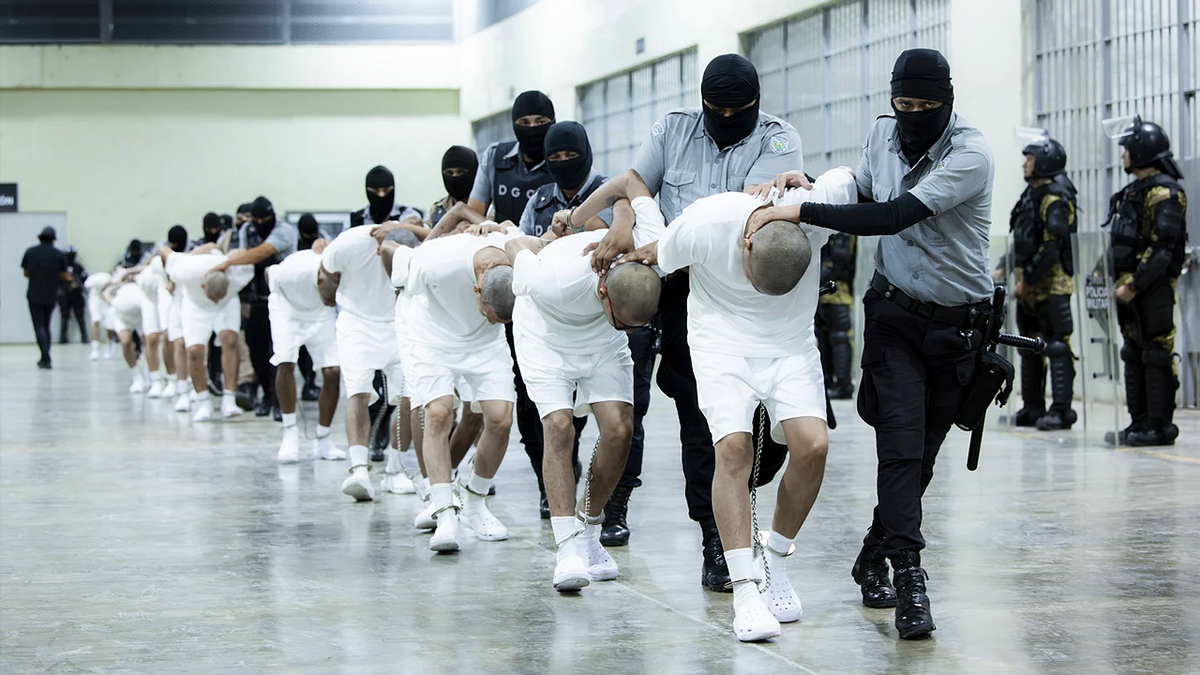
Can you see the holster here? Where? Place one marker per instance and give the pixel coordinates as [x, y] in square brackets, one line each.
[993, 383]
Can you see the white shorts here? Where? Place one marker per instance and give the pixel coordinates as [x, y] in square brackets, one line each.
[364, 347]
[99, 309]
[174, 314]
[151, 322]
[729, 389]
[199, 323]
[485, 374]
[127, 309]
[288, 334]
[558, 381]
[405, 344]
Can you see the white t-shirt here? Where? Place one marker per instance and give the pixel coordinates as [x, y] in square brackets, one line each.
[441, 282]
[556, 289]
[188, 270]
[365, 290]
[152, 277]
[725, 313]
[296, 280]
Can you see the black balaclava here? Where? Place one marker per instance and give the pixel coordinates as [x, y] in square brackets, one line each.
[212, 228]
[177, 238]
[532, 139]
[262, 208]
[381, 207]
[730, 81]
[458, 157]
[226, 221]
[309, 232]
[133, 254]
[572, 173]
[922, 73]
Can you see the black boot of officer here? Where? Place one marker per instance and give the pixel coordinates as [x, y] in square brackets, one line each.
[870, 572]
[913, 616]
[1033, 388]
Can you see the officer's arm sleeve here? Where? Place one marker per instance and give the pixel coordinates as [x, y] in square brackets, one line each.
[482, 189]
[1057, 217]
[869, 218]
[1166, 230]
[780, 153]
[526, 220]
[863, 176]
[650, 162]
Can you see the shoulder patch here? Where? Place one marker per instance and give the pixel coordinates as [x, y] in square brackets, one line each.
[658, 129]
[780, 144]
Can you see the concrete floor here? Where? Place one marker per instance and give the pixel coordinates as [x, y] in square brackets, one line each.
[134, 542]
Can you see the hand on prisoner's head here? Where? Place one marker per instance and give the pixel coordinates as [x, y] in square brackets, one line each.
[792, 179]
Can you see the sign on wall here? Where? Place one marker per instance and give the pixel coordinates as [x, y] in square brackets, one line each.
[8, 197]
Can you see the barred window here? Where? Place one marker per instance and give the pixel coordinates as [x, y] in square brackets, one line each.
[828, 71]
[619, 110]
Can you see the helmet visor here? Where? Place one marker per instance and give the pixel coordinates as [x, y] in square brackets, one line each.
[1119, 128]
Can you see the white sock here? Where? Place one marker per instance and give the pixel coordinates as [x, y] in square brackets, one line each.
[228, 396]
[779, 544]
[289, 420]
[359, 459]
[134, 371]
[323, 432]
[741, 570]
[422, 485]
[203, 396]
[478, 484]
[442, 495]
[393, 462]
[156, 375]
[95, 344]
[564, 527]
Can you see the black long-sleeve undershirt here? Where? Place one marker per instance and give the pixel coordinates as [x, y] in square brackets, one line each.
[867, 218]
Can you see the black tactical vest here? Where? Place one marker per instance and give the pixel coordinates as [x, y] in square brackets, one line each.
[512, 183]
[837, 259]
[258, 290]
[546, 204]
[1127, 210]
[1028, 228]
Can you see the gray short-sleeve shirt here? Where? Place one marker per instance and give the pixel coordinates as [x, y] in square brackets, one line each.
[681, 163]
[944, 258]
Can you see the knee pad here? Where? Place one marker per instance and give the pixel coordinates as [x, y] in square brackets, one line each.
[1131, 353]
[1057, 350]
[1156, 358]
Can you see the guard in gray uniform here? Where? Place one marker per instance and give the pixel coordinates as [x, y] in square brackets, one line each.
[926, 177]
[510, 173]
[727, 144]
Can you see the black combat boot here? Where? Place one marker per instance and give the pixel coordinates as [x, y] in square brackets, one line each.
[615, 531]
[1033, 391]
[247, 396]
[544, 507]
[1056, 419]
[1161, 384]
[715, 573]
[310, 392]
[870, 572]
[913, 617]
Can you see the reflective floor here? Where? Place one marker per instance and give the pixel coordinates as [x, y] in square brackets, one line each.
[132, 541]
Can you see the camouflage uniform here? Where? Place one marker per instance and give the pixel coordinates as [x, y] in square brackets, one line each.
[833, 314]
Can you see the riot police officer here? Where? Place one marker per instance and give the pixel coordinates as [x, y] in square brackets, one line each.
[1042, 224]
[833, 314]
[1148, 236]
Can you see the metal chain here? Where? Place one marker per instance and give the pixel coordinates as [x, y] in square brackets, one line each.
[587, 484]
[755, 542]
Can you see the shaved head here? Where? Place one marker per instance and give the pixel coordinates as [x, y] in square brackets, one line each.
[633, 291]
[216, 285]
[779, 255]
[495, 292]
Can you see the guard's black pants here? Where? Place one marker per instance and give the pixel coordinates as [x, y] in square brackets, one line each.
[529, 422]
[72, 302]
[41, 327]
[641, 345]
[1049, 319]
[1148, 326]
[258, 341]
[677, 380]
[915, 374]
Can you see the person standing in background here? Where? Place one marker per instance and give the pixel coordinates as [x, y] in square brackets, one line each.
[70, 297]
[45, 267]
[833, 315]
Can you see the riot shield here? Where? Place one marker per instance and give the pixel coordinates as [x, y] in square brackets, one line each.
[1097, 342]
[1003, 274]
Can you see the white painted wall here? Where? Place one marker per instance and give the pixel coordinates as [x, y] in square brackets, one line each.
[130, 140]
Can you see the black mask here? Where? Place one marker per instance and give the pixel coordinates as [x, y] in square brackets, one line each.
[532, 139]
[262, 208]
[309, 232]
[458, 157]
[212, 228]
[133, 254]
[923, 74]
[569, 174]
[381, 207]
[177, 238]
[920, 130]
[730, 81]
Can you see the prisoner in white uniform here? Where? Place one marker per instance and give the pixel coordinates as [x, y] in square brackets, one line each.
[573, 355]
[461, 288]
[127, 305]
[150, 280]
[300, 318]
[750, 328]
[352, 272]
[210, 305]
[99, 311]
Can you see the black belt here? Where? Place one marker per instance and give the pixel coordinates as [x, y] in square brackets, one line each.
[963, 316]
